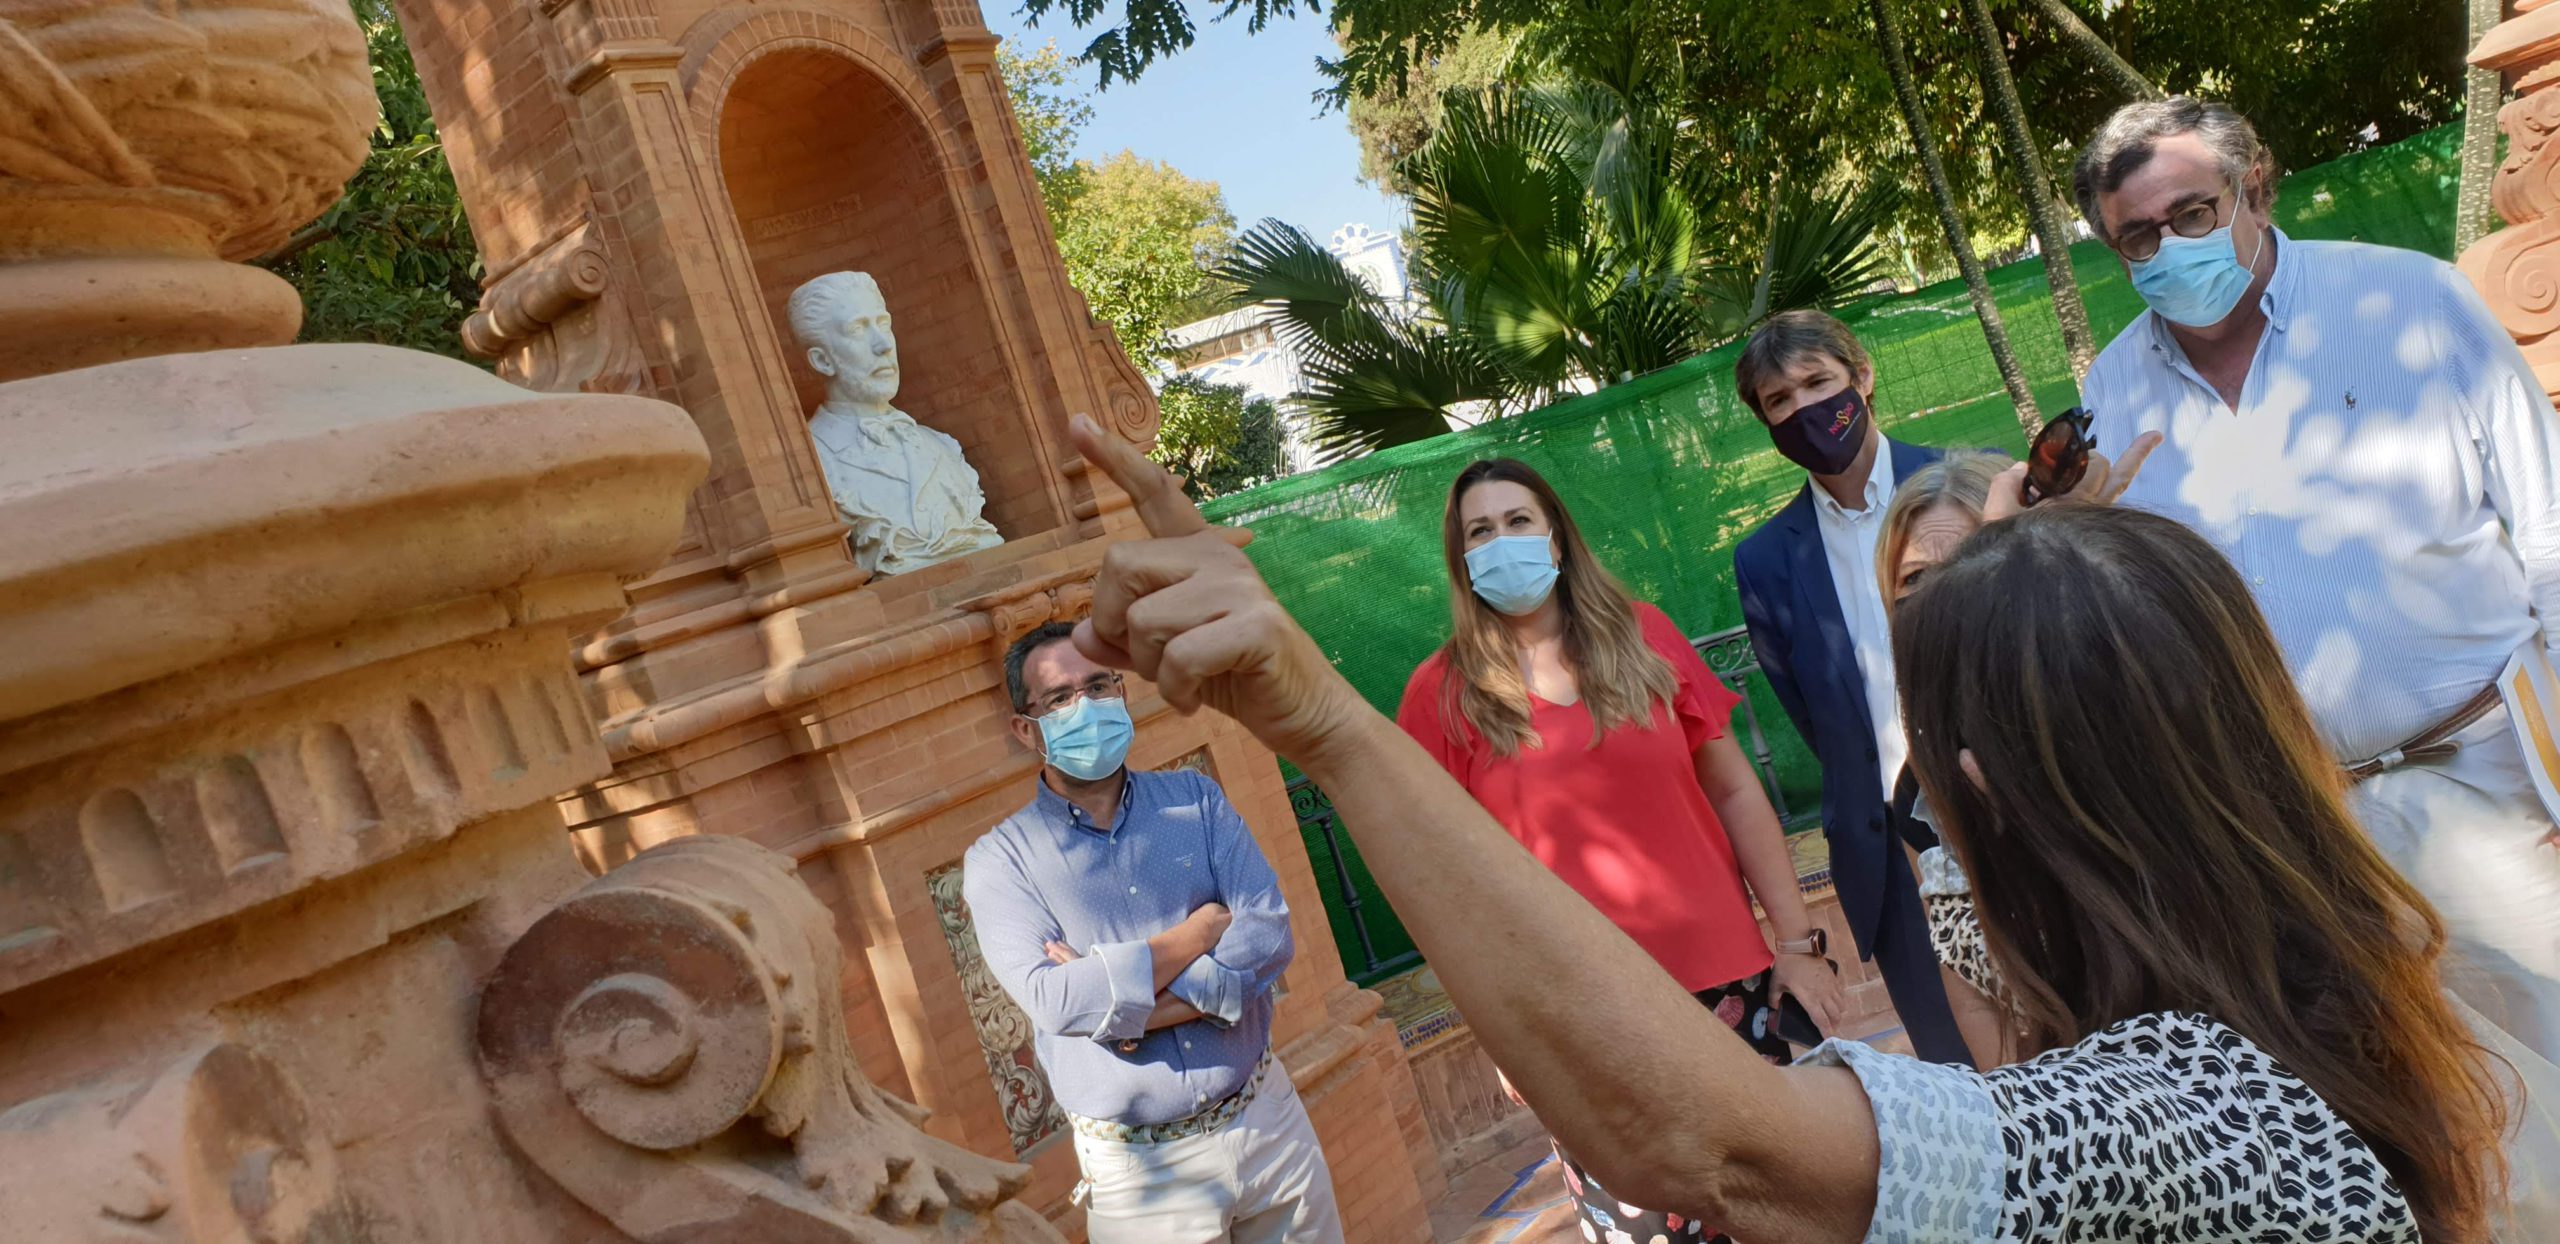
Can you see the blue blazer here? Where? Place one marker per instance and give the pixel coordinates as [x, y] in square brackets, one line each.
[1801, 637]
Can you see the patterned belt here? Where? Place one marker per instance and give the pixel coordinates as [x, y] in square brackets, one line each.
[1220, 1113]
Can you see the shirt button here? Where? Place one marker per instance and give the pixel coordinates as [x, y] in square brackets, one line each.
[2261, 580]
[2253, 511]
[1133, 889]
[1186, 1044]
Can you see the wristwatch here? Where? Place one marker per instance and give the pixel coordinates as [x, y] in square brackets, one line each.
[1817, 942]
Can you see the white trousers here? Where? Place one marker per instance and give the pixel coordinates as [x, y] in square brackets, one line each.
[2470, 834]
[1261, 1179]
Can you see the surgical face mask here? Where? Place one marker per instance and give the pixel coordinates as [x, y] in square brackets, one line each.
[1514, 574]
[2195, 281]
[1824, 437]
[1089, 739]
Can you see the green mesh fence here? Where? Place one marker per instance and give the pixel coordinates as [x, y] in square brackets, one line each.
[1667, 472]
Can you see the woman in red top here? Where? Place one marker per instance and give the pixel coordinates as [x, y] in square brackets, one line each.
[1586, 724]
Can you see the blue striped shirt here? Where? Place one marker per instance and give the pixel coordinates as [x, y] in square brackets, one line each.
[1049, 873]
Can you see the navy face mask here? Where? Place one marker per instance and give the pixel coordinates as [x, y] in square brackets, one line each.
[1824, 437]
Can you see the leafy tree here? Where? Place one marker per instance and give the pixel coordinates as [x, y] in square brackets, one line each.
[393, 262]
[1217, 437]
[1393, 125]
[2068, 27]
[1137, 236]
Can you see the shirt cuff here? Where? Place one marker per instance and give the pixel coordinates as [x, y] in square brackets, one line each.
[1130, 967]
[1941, 1166]
[1211, 990]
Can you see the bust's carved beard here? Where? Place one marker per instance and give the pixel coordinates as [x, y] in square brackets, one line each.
[855, 384]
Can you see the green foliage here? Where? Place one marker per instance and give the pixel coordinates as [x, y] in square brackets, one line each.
[1137, 236]
[1794, 92]
[2315, 76]
[393, 261]
[1217, 438]
[1137, 239]
[1557, 244]
[1153, 28]
[1392, 126]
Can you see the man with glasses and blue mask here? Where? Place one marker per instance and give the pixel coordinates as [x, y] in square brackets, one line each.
[2352, 427]
[1134, 919]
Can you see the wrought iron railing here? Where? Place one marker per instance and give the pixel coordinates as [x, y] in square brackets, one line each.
[1320, 824]
[1731, 658]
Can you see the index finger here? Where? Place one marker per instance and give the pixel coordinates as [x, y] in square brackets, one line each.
[1160, 503]
[2125, 470]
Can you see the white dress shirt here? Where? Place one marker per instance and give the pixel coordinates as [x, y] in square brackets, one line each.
[2387, 484]
[1849, 544]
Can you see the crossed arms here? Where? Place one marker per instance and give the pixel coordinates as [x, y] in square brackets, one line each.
[1210, 965]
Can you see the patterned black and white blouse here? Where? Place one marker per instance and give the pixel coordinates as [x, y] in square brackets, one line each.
[2161, 1129]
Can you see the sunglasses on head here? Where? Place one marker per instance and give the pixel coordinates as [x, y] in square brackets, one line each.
[2060, 455]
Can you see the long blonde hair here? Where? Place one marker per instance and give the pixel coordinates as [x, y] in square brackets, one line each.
[1621, 677]
[1961, 479]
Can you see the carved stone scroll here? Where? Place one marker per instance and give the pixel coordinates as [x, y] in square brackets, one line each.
[557, 280]
[669, 1047]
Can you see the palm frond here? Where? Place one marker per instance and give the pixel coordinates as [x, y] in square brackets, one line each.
[1321, 304]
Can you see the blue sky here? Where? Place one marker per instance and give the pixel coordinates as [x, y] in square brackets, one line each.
[1233, 108]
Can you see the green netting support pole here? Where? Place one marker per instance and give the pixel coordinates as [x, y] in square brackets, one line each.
[1906, 93]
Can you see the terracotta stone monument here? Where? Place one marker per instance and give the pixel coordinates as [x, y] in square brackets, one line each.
[650, 181]
[292, 946]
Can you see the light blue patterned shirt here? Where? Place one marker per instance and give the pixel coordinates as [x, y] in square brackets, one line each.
[1050, 873]
[2389, 484]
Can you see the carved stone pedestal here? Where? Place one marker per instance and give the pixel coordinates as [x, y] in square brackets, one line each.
[285, 702]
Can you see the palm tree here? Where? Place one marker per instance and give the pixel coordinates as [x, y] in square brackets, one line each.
[2099, 52]
[2053, 237]
[1906, 94]
[2483, 91]
[1557, 246]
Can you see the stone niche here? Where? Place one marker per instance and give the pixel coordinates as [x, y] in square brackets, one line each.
[829, 171]
[650, 180]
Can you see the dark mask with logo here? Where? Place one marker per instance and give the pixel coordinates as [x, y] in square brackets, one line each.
[1824, 437]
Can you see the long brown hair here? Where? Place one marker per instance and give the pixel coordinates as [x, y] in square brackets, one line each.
[2157, 827]
[1621, 678]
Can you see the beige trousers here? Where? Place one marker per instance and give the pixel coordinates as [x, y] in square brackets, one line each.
[2471, 834]
[1261, 1179]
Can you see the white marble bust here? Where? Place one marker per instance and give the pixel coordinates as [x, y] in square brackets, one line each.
[910, 497]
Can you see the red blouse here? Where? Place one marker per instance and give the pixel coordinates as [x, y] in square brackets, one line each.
[1624, 823]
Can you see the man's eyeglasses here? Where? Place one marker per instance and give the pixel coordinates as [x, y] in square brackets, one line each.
[2060, 455]
[1102, 686]
[2192, 221]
